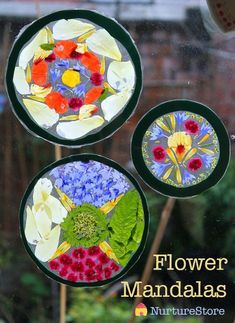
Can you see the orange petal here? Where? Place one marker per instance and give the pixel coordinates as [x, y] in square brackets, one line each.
[91, 62]
[93, 94]
[64, 48]
[39, 72]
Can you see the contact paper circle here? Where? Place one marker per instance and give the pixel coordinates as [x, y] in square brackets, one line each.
[181, 148]
[84, 220]
[74, 77]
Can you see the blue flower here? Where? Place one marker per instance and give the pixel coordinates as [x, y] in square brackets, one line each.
[62, 88]
[180, 118]
[159, 168]
[157, 132]
[207, 160]
[187, 177]
[92, 182]
[80, 68]
[55, 74]
[205, 128]
[80, 90]
[62, 63]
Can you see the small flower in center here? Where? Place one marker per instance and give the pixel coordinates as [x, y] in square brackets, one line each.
[180, 149]
[180, 143]
[96, 78]
[75, 103]
[159, 153]
[84, 225]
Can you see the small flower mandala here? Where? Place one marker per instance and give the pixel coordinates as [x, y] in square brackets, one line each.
[181, 149]
[77, 225]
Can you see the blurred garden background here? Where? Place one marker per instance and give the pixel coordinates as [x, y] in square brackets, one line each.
[182, 58]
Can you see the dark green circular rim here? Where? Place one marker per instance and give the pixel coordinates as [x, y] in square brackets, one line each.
[85, 158]
[173, 106]
[118, 32]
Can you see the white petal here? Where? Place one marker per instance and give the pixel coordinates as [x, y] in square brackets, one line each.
[19, 81]
[58, 212]
[30, 230]
[121, 75]
[43, 221]
[41, 113]
[77, 129]
[42, 190]
[102, 43]
[67, 29]
[114, 104]
[28, 52]
[45, 249]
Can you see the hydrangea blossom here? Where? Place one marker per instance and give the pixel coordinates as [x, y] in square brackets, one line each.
[91, 182]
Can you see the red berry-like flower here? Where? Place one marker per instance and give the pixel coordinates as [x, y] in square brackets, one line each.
[107, 272]
[89, 263]
[159, 153]
[90, 274]
[77, 266]
[103, 259]
[114, 266]
[98, 268]
[50, 58]
[79, 253]
[75, 103]
[99, 277]
[75, 55]
[65, 260]
[93, 251]
[81, 277]
[54, 265]
[192, 127]
[63, 271]
[195, 164]
[96, 78]
[72, 277]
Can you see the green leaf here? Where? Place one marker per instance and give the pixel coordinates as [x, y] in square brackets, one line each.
[47, 46]
[104, 95]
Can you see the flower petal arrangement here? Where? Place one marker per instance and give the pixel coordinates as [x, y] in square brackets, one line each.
[74, 77]
[181, 148]
[75, 222]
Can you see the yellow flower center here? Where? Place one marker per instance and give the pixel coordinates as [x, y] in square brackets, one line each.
[71, 78]
[181, 143]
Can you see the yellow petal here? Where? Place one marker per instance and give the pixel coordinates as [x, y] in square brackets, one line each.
[71, 78]
[178, 176]
[171, 156]
[70, 118]
[81, 48]
[40, 91]
[207, 151]
[190, 154]
[36, 98]
[71, 28]
[50, 35]
[19, 80]
[102, 68]
[41, 53]
[65, 246]
[173, 121]
[162, 125]
[102, 43]
[107, 86]
[167, 174]
[87, 110]
[28, 74]
[65, 200]
[205, 138]
[86, 35]
[105, 247]
[107, 207]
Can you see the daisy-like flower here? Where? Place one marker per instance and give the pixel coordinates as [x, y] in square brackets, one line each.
[64, 271]
[65, 260]
[54, 265]
[194, 164]
[79, 253]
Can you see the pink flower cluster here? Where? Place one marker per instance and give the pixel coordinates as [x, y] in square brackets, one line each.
[85, 265]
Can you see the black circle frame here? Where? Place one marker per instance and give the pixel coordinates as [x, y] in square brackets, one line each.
[173, 106]
[85, 158]
[118, 32]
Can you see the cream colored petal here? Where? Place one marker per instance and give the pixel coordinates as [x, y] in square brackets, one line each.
[46, 248]
[77, 129]
[31, 232]
[121, 75]
[58, 212]
[28, 52]
[102, 43]
[40, 91]
[19, 80]
[41, 113]
[71, 28]
[42, 190]
[43, 221]
[114, 104]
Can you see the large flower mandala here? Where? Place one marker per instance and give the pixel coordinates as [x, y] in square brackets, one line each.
[77, 225]
[73, 78]
[181, 148]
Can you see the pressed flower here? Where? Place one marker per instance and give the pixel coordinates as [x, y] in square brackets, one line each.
[93, 94]
[159, 153]
[39, 72]
[107, 272]
[19, 80]
[71, 78]
[65, 259]
[117, 102]
[114, 266]
[90, 274]
[54, 265]
[91, 62]
[85, 226]
[63, 272]
[76, 55]
[181, 143]
[64, 48]
[72, 277]
[87, 111]
[93, 251]
[75, 103]
[99, 268]
[194, 164]
[41, 91]
[89, 263]
[99, 277]
[77, 266]
[57, 101]
[81, 277]
[50, 58]
[121, 75]
[192, 127]
[79, 253]
[103, 259]
[96, 78]
[70, 28]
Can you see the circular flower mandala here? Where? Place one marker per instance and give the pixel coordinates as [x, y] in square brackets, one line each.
[76, 224]
[72, 79]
